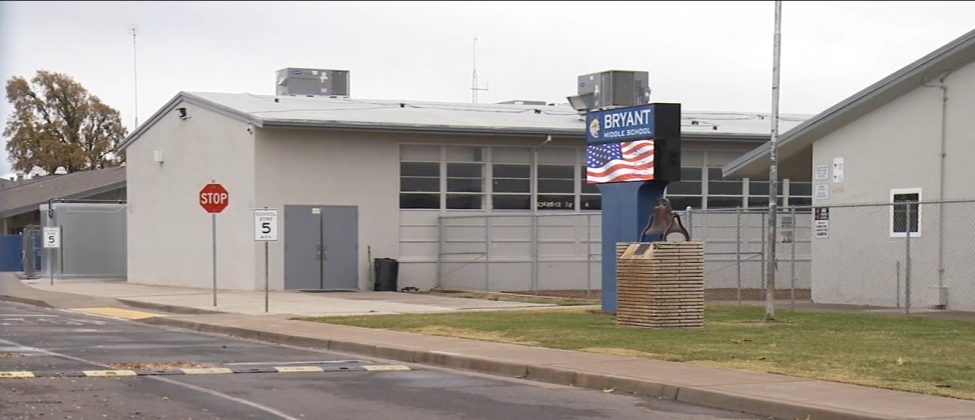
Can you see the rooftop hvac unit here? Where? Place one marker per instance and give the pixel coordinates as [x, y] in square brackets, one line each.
[312, 82]
[613, 88]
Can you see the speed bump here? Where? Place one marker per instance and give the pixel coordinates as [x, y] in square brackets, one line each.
[206, 371]
[104, 373]
[17, 374]
[385, 368]
[296, 369]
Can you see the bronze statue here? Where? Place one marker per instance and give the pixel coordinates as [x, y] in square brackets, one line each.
[663, 221]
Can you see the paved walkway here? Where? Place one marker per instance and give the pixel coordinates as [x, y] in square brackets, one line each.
[752, 392]
[287, 302]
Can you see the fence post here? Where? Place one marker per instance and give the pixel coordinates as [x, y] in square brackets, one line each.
[487, 253]
[897, 278]
[907, 261]
[792, 281]
[534, 229]
[738, 252]
[764, 286]
[440, 226]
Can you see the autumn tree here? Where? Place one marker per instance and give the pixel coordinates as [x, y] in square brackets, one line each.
[57, 122]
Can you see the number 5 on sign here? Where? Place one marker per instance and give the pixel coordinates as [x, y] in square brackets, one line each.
[52, 237]
[266, 225]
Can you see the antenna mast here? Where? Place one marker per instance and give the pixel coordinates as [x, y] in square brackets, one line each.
[474, 85]
[135, 77]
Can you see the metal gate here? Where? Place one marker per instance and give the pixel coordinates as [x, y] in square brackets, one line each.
[321, 247]
[32, 251]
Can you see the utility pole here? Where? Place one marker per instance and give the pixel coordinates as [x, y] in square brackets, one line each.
[773, 173]
[135, 78]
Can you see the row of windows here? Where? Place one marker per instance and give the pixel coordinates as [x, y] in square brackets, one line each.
[471, 180]
[500, 178]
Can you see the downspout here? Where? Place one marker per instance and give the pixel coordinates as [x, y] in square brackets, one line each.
[533, 187]
[942, 154]
[941, 185]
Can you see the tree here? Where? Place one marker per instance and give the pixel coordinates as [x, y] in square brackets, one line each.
[57, 122]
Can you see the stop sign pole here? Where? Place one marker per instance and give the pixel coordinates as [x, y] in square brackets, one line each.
[214, 198]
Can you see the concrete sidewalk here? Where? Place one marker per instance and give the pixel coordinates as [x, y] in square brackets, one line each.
[756, 393]
[184, 299]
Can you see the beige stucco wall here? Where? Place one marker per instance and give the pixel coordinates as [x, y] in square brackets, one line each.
[898, 147]
[320, 167]
[169, 234]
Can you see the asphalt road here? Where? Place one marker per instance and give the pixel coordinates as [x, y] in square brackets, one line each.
[46, 340]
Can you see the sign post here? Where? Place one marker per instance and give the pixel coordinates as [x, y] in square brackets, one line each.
[214, 198]
[52, 241]
[266, 230]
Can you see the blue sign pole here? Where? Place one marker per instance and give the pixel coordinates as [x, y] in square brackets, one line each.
[626, 208]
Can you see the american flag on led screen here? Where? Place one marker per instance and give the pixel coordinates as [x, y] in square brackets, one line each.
[618, 162]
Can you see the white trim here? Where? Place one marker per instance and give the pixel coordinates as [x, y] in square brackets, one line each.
[907, 226]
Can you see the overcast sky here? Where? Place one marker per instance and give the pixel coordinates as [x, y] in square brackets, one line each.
[708, 56]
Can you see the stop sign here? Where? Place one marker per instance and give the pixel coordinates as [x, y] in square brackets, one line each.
[214, 198]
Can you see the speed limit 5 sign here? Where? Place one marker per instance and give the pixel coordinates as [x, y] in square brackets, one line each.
[266, 225]
[52, 237]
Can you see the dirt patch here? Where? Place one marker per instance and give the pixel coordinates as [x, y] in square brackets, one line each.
[9, 354]
[620, 352]
[471, 334]
[709, 294]
[159, 365]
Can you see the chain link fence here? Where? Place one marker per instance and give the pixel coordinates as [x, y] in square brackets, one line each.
[907, 256]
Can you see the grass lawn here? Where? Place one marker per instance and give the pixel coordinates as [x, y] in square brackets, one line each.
[924, 355]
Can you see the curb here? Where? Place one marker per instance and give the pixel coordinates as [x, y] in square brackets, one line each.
[562, 376]
[118, 373]
[35, 302]
[185, 310]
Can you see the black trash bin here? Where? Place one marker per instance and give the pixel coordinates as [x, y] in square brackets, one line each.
[387, 272]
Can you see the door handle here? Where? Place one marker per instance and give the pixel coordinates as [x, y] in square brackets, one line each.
[325, 253]
[318, 252]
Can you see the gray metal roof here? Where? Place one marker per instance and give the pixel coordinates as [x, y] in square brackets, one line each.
[929, 68]
[27, 196]
[511, 119]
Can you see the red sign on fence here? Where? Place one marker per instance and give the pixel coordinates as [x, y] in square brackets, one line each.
[214, 198]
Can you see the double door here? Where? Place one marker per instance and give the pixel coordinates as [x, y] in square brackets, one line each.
[321, 247]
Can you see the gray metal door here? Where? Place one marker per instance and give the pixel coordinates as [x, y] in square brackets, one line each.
[341, 245]
[321, 247]
[302, 238]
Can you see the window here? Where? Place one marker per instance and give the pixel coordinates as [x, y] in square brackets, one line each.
[465, 178]
[721, 193]
[419, 177]
[556, 178]
[510, 178]
[899, 220]
[511, 187]
[556, 187]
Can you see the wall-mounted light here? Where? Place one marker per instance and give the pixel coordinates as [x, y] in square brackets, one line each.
[157, 156]
[182, 113]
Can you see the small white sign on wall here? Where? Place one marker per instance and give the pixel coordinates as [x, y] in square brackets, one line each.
[822, 172]
[838, 169]
[821, 224]
[821, 191]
